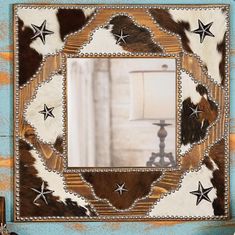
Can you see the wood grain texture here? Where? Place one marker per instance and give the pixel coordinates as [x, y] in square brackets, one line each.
[6, 162]
[152, 228]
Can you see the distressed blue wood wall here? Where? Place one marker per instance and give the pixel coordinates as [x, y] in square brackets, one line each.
[6, 138]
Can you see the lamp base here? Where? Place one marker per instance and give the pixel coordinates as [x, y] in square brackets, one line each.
[162, 133]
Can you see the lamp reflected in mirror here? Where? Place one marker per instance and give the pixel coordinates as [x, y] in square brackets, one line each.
[152, 95]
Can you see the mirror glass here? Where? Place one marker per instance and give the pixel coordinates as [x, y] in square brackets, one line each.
[118, 109]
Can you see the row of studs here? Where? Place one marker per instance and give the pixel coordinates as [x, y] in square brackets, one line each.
[16, 113]
[142, 169]
[123, 6]
[227, 119]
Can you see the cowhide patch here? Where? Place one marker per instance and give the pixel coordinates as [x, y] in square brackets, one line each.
[187, 202]
[137, 184]
[48, 126]
[121, 35]
[59, 202]
[194, 125]
[211, 174]
[31, 47]
[215, 162]
[139, 39]
[71, 20]
[212, 49]
[96, 44]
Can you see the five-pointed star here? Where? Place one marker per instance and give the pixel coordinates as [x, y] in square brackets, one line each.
[121, 37]
[41, 194]
[120, 189]
[202, 193]
[47, 112]
[195, 111]
[203, 30]
[41, 31]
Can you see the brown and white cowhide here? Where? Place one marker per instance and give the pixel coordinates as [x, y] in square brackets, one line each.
[194, 127]
[183, 22]
[215, 162]
[60, 21]
[210, 174]
[182, 202]
[105, 39]
[102, 41]
[51, 94]
[60, 202]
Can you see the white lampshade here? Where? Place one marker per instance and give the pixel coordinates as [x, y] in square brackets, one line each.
[152, 95]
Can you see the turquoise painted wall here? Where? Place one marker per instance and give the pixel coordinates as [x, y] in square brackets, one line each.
[6, 147]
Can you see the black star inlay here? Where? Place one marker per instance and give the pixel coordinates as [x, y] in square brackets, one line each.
[41, 31]
[203, 30]
[202, 193]
[47, 112]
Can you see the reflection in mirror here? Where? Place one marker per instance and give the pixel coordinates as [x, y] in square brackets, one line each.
[121, 112]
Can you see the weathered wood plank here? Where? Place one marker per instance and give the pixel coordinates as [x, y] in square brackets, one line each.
[6, 94]
[6, 174]
[150, 228]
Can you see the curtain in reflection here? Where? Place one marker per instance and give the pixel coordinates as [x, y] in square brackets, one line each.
[81, 139]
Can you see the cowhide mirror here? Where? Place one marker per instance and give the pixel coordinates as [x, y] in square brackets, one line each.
[121, 112]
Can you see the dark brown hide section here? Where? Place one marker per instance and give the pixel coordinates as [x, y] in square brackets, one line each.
[138, 185]
[70, 20]
[58, 145]
[221, 48]
[29, 59]
[164, 19]
[29, 179]
[139, 39]
[217, 155]
[193, 128]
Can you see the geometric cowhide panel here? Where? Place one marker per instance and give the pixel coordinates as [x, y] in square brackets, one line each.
[195, 187]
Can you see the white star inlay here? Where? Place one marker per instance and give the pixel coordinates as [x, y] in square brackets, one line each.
[121, 37]
[41, 194]
[120, 189]
[195, 112]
